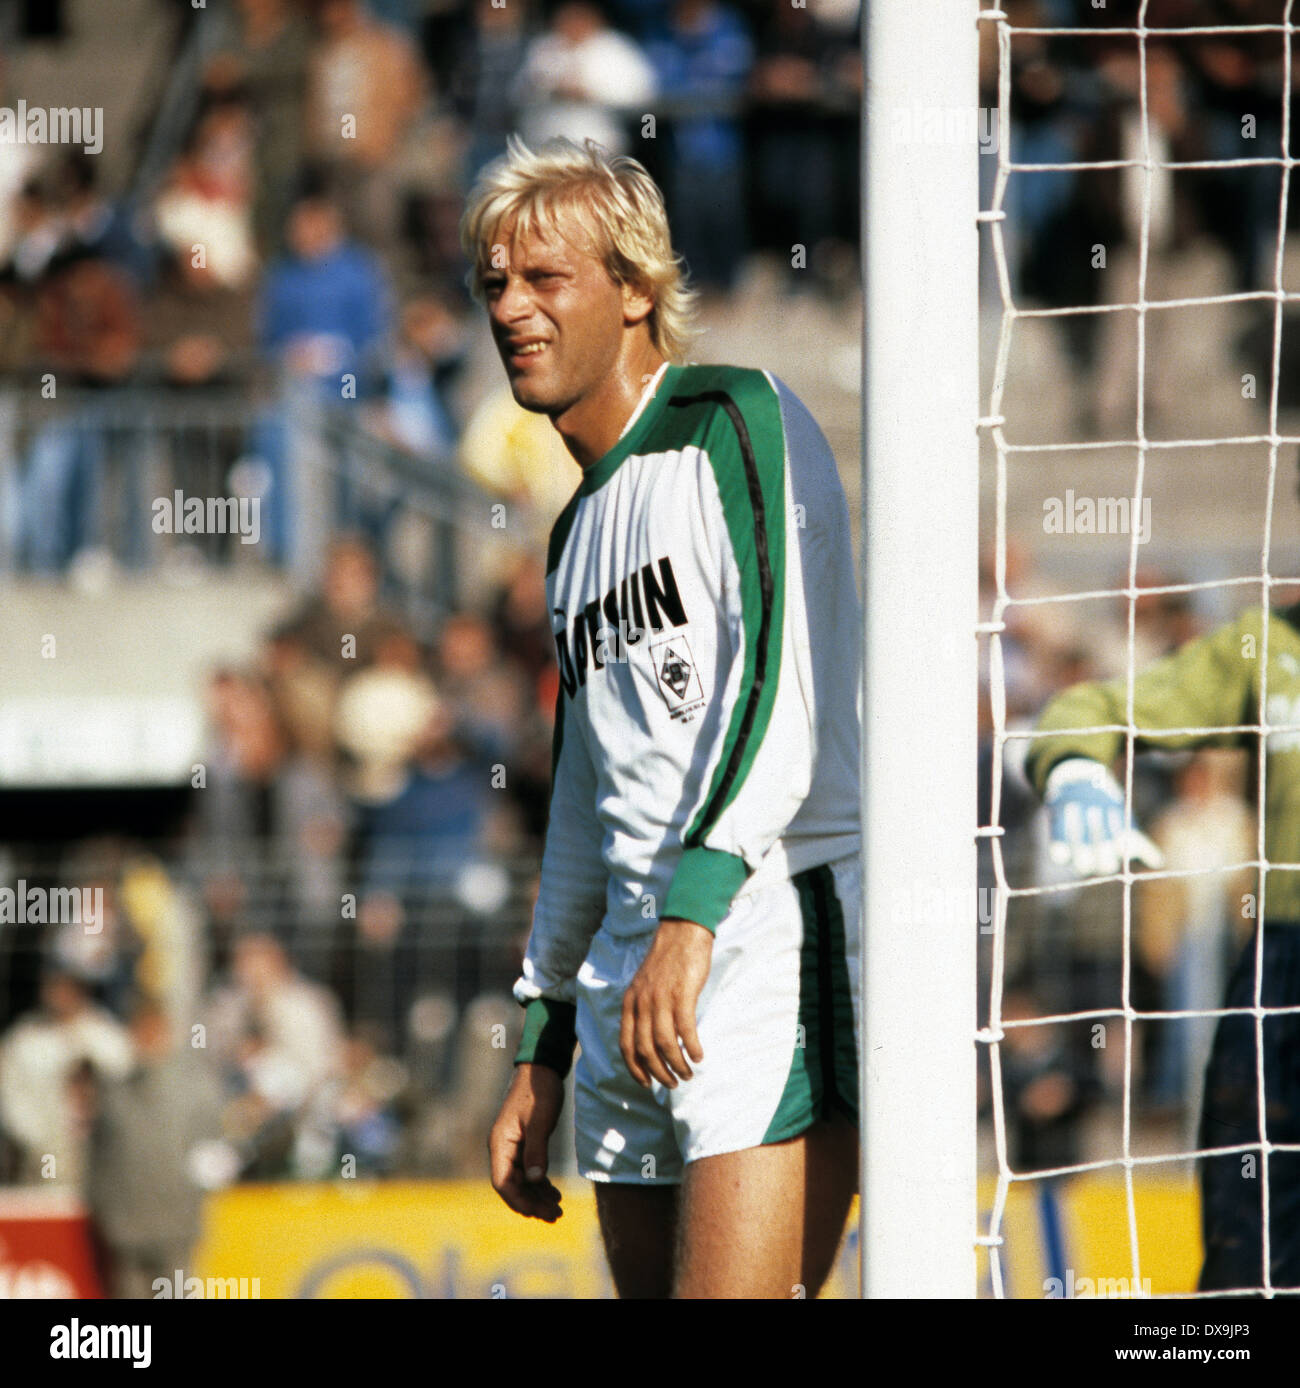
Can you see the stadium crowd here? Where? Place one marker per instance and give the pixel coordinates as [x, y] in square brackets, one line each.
[406, 776]
[1074, 99]
[304, 233]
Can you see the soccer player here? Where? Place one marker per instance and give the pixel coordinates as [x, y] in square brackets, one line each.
[696, 924]
[1216, 681]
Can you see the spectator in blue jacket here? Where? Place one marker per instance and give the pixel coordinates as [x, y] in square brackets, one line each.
[322, 320]
[325, 306]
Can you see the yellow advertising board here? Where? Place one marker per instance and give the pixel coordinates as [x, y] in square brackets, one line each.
[447, 1239]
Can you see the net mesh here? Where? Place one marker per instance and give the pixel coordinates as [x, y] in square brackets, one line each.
[1003, 446]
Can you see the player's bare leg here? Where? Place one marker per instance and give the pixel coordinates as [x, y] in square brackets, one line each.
[639, 1227]
[767, 1222]
[831, 1184]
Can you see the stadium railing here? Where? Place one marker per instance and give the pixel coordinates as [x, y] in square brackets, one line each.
[102, 469]
[430, 999]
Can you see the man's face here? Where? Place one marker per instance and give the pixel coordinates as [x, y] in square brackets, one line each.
[577, 22]
[557, 319]
[63, 996]
[337, 16]
[314, 229]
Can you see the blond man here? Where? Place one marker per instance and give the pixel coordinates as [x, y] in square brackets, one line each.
[696, 925]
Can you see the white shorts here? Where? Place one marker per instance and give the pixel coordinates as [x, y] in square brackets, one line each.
[777, 1020]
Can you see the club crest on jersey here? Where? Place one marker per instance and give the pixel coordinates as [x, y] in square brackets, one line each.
[608, 629]
[679, 680]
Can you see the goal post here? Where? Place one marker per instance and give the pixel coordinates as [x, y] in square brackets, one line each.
[920, 518]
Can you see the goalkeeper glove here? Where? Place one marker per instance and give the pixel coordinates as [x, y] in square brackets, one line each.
[1086, 808]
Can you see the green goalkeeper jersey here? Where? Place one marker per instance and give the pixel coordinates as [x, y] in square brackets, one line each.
[1206, 694]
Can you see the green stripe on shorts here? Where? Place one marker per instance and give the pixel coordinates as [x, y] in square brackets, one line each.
[823, 1077]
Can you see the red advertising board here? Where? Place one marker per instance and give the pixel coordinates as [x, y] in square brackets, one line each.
[45, 1246]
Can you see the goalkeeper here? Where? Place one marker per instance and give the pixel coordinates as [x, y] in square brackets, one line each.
[1212, 683]
[696, 921]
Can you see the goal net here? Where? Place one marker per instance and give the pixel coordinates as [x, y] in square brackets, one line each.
[1138, 430]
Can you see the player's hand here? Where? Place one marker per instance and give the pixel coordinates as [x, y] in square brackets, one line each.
[517, 1144]
[659, 1005]
[1086, 808]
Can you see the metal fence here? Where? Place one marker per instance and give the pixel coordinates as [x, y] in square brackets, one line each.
[417, 983]
[109, 472]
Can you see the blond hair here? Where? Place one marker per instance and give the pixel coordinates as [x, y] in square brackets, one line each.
[609, 198]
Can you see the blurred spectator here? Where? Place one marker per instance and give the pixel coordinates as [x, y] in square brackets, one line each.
[39, 1060]
[87, 320]
[95, 223]
[103, 958]
[424, 862]
[1161, 623]
[59, 212]
[1149, 209]
[35, 232]
[205, 211]
[322, 317]
[152, 1146]
[485, 690]
[518, 455]
[279, 1041]
[428, 354]
[266, 59]
[643, 19]
[583, 79]
[304, 686]
[198, 333]
[1191, 927]
[1231, 78]
[324, 309]
[364, 1106]
[800, 64]
[342, 625]
[18, 167]
[437, 824]
[311, 831]
[521, 619]
[703, 62]
[86, 335]
[383, 712]
[1058, 215]
[484, 80]
[365, 88]
[246, 751]
[1048, 1088]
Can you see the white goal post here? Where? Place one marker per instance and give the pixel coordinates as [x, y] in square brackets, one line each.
[920, 527]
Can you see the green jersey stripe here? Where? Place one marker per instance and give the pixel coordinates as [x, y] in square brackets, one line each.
[755, 519]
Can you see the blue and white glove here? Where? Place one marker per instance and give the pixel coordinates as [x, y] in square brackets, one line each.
[1086, 808]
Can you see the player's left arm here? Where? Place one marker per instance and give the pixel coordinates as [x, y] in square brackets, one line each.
[758, 770]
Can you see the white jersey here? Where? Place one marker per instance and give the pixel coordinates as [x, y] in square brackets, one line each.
[707, 627]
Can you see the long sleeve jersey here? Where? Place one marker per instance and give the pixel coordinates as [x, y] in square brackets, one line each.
[706, 623]
[1206, 694]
